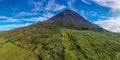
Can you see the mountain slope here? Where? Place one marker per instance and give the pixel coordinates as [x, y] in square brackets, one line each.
[9, 51]
[67, 44]
[66, 36]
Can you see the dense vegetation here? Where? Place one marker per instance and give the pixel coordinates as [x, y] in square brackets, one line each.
[58, 39]
[9, 51]
[59, 44]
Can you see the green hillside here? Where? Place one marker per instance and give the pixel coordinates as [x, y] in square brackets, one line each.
[66, 36]
[9, 51]
[60, 44]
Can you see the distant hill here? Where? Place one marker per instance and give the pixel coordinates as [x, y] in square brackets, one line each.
[66, 36]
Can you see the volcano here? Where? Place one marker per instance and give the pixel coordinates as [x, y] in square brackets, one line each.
[70, 19]
[65, 36]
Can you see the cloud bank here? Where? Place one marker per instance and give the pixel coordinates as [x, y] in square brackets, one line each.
[113, 4]
[111, 24]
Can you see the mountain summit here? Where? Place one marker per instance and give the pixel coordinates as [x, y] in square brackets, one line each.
[70, 19]
[69, 16]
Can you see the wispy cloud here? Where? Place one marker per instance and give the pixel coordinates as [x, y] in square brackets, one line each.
[83, 14]
[90, 15]
[48, 15]
[3, 17]
[26, 14]
[23, 25]
[46, 5]
[37, 5]
[45, 16]
[8, 19]
[70, 3]
[12, 26]
[50, 5]
[111, 24]
[59, 7]
[53, 6]
[113, 4]
[7, 27]
[86, 1]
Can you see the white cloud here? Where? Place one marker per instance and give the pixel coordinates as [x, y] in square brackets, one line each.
[59, 7]
[3, 17]
[26, 14]
[23, 25]
[53, 6]
[37, 5]
[12, 26]
[50, 5]
[111, 24]
[86, 2]
[70, 4]
[43, 17]
[36, 19]
[48, 15]
[41, 5]
[8, 19]
[83, 14]
[7, 27]
[88, 13]
[113, 4]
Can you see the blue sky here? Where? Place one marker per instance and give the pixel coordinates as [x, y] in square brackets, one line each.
[20, 13]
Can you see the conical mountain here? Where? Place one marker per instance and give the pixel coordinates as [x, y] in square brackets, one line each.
[66, 36]
[69, 16]
[70, 19]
